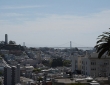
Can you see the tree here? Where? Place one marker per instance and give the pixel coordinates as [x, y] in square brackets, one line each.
[57, 62]
[36, 70]
[66, 62]
[103, 44]
[46, 62]
[12, 42]
[39, 79]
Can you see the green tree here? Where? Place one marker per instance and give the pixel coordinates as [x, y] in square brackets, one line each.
[66, 62]
[2, 55]
[12, 42]
[46, 62]
[36, 70]
[57, 62]
[39, 79]
[103, 44]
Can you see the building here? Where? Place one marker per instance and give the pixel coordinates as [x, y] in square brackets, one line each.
[11, 75]
[76, 62]
[14, 75]
[18, 73]
[92, 66]
[7, 76]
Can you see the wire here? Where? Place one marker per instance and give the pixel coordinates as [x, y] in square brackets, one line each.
[62, 44]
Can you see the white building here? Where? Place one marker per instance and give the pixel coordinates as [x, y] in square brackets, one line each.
[32, 62]
[27, 70]
[93, 66]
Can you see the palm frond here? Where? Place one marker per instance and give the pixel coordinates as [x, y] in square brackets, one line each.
[108, 53]
[106, 33]
[101, 46]
[100, 35]
[102, 52]
[99, 41]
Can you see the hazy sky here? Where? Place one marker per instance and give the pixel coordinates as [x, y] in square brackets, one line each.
[52, 23]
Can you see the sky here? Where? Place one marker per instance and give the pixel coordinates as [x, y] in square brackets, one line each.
[54, 23]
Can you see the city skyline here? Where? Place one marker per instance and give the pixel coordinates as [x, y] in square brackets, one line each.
[54, 23]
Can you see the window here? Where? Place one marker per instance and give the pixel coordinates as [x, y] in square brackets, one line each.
[75, 61]
[105, 63]
[93, 63]
[82, 67]
[93, 69]
[82, 72]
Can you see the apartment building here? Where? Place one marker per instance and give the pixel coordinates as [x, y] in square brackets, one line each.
[76, 62]
[14, 75]
[11, 75]
[90, 65]
[95, 67]
[7, 76]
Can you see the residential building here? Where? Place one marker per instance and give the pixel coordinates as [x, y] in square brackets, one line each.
[11, 75]
[76, 62]
[93, 66]
[14, 75]
[7, 76]
[18, 73]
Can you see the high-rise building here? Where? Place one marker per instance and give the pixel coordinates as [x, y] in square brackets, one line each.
[12, 75]
[7, 76]
[18, 73]
[6, 39]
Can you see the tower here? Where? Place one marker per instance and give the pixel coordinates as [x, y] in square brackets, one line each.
[6, 39]
[70, 44]
[23, 43]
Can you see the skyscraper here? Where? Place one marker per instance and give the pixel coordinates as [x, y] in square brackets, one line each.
[18, 73]
[12, 75]
[7, 76]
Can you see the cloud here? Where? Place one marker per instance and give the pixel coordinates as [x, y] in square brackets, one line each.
[66, 22]
[21, 7]
[72, 23]
[11, 14]
[56, 29]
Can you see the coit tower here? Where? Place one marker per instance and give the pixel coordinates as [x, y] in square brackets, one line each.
[6, 39]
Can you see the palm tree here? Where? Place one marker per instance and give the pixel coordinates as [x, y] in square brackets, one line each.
[103, 44]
